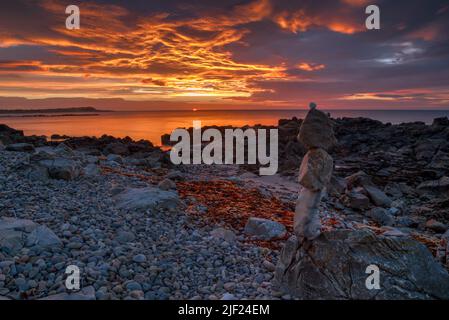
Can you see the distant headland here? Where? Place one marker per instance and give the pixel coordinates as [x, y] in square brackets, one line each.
[51, 112]
[56, 110]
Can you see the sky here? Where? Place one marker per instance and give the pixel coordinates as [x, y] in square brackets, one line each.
[145, 55]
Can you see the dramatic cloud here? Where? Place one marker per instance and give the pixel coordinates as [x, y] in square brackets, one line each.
[251, 53]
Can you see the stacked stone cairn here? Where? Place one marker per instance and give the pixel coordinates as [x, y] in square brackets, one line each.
[317, 135]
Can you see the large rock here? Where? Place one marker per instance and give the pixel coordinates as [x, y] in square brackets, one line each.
[316, 170]
[264, 229]
[333, 266]
[381, 216]
[18, 233]
[149, 198]
[356, 200]
[43, 237]
[378, 197]
[20, 147]
[440, 185]
[61, 168]
[317, 130]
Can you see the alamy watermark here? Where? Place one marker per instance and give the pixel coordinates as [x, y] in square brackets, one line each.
[190, 150]
[372, 22]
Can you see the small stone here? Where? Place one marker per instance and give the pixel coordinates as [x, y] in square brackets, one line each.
[139, 258]
[125, 237]
[228, 296]
[131, 286]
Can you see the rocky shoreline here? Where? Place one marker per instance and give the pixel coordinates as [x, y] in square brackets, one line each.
[140, 228]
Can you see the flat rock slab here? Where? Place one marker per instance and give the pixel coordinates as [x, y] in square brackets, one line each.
[264, 229]
[20, 147]
[333, 266]
[149, 198]
[18, 233]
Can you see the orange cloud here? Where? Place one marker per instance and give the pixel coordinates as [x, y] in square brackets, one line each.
[310, 66]
[302, 21]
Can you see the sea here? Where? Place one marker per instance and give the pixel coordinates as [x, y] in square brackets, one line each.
[150, 125]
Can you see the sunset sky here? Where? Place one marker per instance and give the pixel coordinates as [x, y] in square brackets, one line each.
[148, 54]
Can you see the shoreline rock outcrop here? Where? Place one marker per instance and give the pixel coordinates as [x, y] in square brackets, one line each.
[334, 266]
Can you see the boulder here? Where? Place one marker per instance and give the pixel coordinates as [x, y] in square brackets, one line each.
[61, 168]
[334, 266]
[20, 147]
[317, 131]
[91, 170]
[117, 148]
[63, 150]
[378, 197]
[358, 179]
[440, 185]
[316, 170]
[114, 158]
[149, 198]
[356, 200]
[43, 237]
[264, 229]
[381, 216]
[18, 233]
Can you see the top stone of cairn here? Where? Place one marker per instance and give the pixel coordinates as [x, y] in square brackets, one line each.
[317, 130]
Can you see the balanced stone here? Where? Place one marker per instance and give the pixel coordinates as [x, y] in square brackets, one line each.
[316, 169]
[317, 130]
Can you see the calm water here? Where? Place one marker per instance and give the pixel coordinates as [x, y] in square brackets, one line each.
[151, 125]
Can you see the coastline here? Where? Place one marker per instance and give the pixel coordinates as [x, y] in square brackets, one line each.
[146, 229]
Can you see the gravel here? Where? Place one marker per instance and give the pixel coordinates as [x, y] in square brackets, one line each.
[121, 254]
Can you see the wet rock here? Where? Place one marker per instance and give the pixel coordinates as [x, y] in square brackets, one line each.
[333, 266]
[264, 229]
